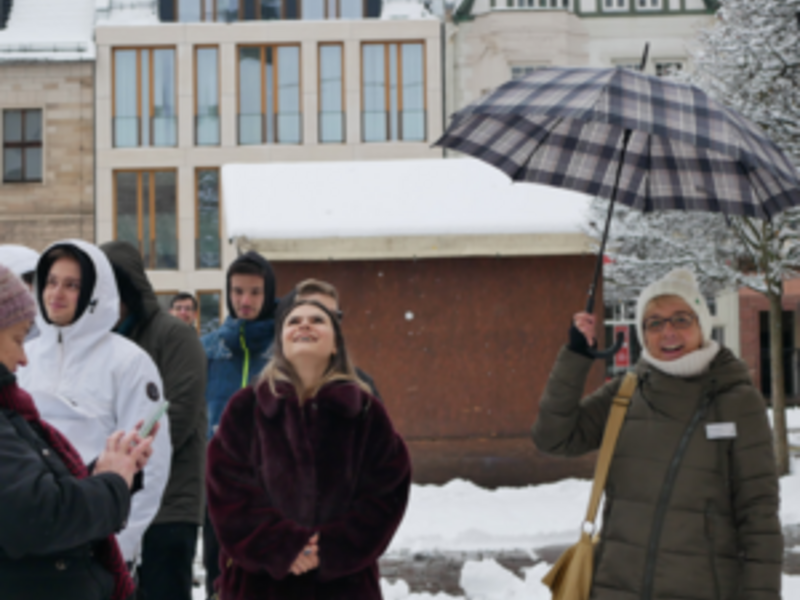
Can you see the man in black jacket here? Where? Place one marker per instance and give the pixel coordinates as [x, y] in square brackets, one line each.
[170, 542]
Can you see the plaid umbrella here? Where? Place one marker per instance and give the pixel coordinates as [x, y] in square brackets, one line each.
[650, 143]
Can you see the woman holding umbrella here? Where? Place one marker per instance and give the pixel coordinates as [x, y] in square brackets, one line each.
[691, 505]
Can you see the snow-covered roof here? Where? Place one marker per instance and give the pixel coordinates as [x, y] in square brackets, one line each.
[49, 30]
[127, 12]
[399, 208]
[405, 9]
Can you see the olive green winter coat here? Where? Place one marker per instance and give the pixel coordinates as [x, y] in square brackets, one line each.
[686, 517]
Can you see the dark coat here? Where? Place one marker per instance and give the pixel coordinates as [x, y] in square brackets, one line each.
[686, 517]
[49, 519]
[279, 472]
[178, 354]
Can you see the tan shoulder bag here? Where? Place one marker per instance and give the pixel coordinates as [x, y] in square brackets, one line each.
[571, 576]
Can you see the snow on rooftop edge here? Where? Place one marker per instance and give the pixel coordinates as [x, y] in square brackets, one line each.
[49, 30]
[459, 196]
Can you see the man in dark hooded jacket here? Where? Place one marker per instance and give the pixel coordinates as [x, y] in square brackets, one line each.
[170, 543]
[237, 353]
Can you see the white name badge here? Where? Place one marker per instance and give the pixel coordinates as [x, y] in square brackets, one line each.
[721, 431]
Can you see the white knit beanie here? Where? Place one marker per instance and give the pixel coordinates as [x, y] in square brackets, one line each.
[681, 283]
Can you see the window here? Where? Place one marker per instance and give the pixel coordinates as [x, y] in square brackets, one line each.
[207, 239]
[393, 92]
[206, 96]
[615, 5]
[648, 4]
[145, 214]
[269, 95]
[210, 308]
[144, 97]
[331, 94]
[534, 4]
[22, 145]
[164, 299]
[667, 68]
[226, 11]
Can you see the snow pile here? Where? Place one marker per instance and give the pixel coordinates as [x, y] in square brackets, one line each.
[49, 30]
[405, 10]
[127, 12]
[460, 516]
[458, 196]
[487, 580]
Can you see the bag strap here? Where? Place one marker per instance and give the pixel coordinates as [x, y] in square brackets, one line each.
[615, 418]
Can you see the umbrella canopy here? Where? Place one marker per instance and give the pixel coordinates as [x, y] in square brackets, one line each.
[650, 143]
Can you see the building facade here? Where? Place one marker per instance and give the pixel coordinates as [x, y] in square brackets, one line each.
[47, 121]
[259, 83]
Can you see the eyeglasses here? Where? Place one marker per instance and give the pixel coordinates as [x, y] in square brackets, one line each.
[680, 320]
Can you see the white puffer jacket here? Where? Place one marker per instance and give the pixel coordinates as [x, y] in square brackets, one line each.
[89, 382]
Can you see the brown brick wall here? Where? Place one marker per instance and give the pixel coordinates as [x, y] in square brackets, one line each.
[462, 379]
[35, 214]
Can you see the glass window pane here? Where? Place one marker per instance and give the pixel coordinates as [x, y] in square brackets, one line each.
[292, 9]
[227, 10]
[207, 97]
[189, 10]
[166, 238]
[393, 97]
[250, 96]
[33, 164]
[313, 9]
[249, 11]
[331, 9]
[209, 311]
[270, 9]
[144, 92]
[208, 243]
[147, 237]
[269, 104]
[331, 109]
[374, 90]
[127, 214]
[352, 9]
[12, 125]
[12, 164]
[126, 125]
[413, 119]
[164, 122]
[33, 126]
[288, 121]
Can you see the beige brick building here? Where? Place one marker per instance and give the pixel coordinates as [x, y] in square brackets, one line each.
[47, 122]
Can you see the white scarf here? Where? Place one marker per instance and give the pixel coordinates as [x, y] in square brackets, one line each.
[689, 365]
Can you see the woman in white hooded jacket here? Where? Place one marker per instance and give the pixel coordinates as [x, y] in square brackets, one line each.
[87, 381]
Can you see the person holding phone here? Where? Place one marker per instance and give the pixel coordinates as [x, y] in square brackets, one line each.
[59, 517]
[88, 381]
[691, 500]
[307, 480]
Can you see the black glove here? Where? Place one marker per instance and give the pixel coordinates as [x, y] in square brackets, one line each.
[578, 344]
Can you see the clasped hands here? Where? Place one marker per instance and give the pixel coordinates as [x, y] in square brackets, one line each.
[308, 558]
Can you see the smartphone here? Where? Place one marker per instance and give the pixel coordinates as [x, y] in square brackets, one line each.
[153, 418]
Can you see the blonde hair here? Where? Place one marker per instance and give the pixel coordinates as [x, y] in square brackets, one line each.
[279, 368]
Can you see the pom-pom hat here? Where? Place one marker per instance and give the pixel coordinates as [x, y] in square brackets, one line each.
[16, 302]
[681, 283]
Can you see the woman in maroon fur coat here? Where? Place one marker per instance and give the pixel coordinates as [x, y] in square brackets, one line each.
[307, 478]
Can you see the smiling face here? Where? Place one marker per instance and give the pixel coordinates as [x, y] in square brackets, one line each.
[12, 350]
[670, 340]
[308, 334]
[61, 291]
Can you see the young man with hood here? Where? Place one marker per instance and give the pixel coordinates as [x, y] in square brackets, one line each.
[87, 381]
[170, 543]
[237, 353]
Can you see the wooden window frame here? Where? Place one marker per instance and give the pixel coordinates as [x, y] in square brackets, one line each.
[196, 91]
[320, 45]
[275, 100]
[23, 145]
[197, 215]
[199, 293]
[387, 84]
[150, 83]
[151, 201]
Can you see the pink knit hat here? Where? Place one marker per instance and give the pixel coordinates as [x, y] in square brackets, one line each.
[16, 302]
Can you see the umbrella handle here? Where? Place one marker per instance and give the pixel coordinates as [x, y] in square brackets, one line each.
[609, 352]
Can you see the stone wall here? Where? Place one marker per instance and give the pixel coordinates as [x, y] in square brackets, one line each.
[62, 205]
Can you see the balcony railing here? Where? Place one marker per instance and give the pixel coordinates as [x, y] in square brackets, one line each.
[331, 127]
[530, 4]
[386, 126]
[158, 131]
[277, 128]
